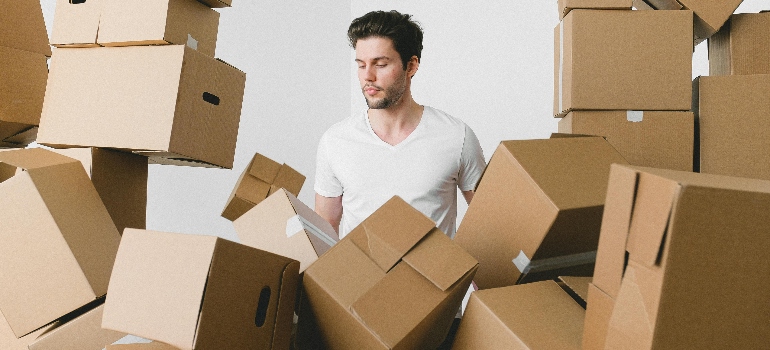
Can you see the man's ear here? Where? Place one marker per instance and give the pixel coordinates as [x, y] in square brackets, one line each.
[412, 66]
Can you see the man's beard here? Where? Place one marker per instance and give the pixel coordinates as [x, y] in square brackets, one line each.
[392, 95]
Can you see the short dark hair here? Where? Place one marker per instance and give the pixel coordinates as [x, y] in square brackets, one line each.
[405, 33]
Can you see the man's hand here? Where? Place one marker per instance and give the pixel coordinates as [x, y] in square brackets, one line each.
[329, 208]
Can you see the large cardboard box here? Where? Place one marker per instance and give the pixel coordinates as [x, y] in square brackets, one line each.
[22, 26]
[59, 242]
[710, 15]
[680, 226]
[395, 282]
[658, 139]
[531, 316]
[537, 210]
[23, 76]
[623, 60]
[201, 292]
[262, 177]
[742, 46]
[170, 103]
[78, 332]
[732, 124]
[283, 225]
[565, 6]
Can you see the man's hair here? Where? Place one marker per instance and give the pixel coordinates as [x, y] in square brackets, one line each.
[405, 33]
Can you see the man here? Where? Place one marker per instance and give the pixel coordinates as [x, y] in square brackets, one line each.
[397, 146]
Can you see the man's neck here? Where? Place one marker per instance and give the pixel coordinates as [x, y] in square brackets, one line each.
[396, 123]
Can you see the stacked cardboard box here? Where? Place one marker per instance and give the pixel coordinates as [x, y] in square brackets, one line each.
[709, 15]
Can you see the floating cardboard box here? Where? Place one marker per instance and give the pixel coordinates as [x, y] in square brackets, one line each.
[623, 60]
[59, 242]
[23, 76]
[394, 282]
[78, 332]
[201, 292]
[22, 27]
[170, 103]
[283, 225]
[662, 139]
[710, 15]
[742, 46]
[531, 316]
[262, 178]
[565, 6]
[537, 210]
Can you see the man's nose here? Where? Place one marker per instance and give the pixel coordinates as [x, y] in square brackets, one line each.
[368, 74]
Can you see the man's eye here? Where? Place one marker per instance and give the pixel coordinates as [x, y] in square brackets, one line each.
[361, 67]
[381, 65]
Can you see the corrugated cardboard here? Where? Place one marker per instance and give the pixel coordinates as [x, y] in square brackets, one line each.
[201, 292]
[394, 282]
[76, 23]
[623, 60]
[166, 102]
[23, 76]
[262, 177]
[217, 3]
[529, 317]
[537, 210]
[710, 15]
[142, 346]
[22, 26]
[732, 120]
[657, 139]
[565, 6]
[59, 242]
[283, 225]
[84, 332]
[742, 46]
[121, 180]
[598, 314]
[684, 225]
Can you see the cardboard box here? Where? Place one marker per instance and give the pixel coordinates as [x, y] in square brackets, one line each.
[23, 76]
[395, 282]
[59, 242]
[742, 46]
[598, 314]
[168, 102]
[657, 139]
[681, 226]
[283, 225]
[23, 27]
[142, 346]
[217, 3]
[262, 178]
[565, 6]
[530, 316]
[732, 122]
[121, 180]
[82, 332]
[537, 210]
[623, 60]
[201, 292]
[710, 15]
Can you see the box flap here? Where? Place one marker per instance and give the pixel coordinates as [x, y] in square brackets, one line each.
[289, 179]
[653, 204]
[263, 168]
[390, 232]
[34, 158]
[83, 332]
[440, 260]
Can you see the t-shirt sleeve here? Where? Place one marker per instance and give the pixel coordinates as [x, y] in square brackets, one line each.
[326, 183]
[472, 162]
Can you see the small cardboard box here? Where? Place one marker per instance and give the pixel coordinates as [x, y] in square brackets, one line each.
[623, 60]
[23, 76]
[201, 292]
[22, 27]
[283, 225]
[742, 46]
[732, 118]
[537, 210]
[681, 225]
[565, 6]
[262, 177]
[658, 139]
[170, 103]
[217, 3]
[78, 332]
[710, 15]
[59, 242]
[529, 316]
[394, 282]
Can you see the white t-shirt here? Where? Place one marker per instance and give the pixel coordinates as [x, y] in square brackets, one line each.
[425, 169]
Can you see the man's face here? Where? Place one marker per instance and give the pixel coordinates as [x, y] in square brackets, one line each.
[380, 72]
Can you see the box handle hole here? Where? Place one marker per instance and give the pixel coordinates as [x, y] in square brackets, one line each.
[264, 301]
[211, 98]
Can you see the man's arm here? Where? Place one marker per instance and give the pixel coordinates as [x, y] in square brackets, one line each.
[329, 208]
[468, 196]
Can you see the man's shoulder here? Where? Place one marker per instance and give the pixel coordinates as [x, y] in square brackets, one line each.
[441, 118]
[345, 126]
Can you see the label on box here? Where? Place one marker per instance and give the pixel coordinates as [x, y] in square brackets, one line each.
[635, 116]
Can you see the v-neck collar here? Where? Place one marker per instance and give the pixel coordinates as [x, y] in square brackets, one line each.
[404, 141]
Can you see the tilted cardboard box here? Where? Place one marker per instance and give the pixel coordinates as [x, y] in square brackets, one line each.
[201, 292]
[59, 243]
[394, 282]
[732, 118]
[623, 60]
[537, 210]
[283, 225]
[658, 139]
[79, 332]
[565, 6]
[710, 15]
[22, 27]
[530, 316]
[170, 103]
[262, 177]
[742, 46]
[23, 76]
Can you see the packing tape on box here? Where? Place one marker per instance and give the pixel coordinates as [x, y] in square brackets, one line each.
[191, 42]
[296, 224]
[525, 265]
[561, 66]
[635, 116]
